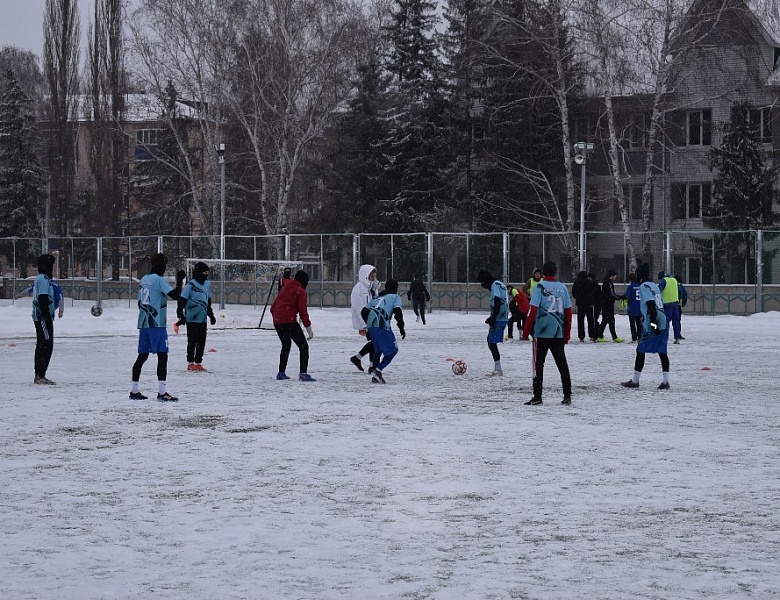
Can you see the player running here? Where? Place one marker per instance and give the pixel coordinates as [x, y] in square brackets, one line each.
[377, 316]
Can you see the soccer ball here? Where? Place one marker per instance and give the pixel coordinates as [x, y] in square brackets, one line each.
[459, 367]
[96, 310]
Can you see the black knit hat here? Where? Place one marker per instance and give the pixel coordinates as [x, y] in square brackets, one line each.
[643, 272]
[302, 277]
[485, 278]
[391, 286]
[46, 264]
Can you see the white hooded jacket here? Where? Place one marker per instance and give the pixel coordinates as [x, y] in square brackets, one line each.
[362, 293]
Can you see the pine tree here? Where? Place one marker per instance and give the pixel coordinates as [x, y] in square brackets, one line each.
[416, 152]
[744, 195]
[22, 180]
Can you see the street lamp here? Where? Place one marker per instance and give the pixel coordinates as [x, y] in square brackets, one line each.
[581, 157]
[221, 158]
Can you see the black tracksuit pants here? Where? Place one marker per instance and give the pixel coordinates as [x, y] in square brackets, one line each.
[196, 342]
[44, 346]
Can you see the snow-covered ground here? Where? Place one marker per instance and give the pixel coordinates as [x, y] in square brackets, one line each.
[433, 486]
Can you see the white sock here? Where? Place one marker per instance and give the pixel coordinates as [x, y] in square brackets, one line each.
[134, 387]
[666, 376]
[161, 387]
[498, 366]
[637, 375]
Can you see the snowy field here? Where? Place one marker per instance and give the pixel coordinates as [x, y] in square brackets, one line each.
[433, 486]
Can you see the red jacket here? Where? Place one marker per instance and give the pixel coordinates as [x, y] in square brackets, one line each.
[291, 302]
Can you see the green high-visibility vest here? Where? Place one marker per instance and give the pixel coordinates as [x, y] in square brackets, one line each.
[671, 291]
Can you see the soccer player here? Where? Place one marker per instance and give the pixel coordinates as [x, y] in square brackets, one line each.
[418, 294]
[378, 318]
[364, 291]
[291, 302]
[654, 337]
[43, 309]
[194, 307]
[499, 316]
[670, 294]
[153, 293]
[550, 321]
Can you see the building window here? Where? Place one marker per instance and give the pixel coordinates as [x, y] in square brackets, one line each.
[690, 199]
[632, 131]
[761, 121]
[146, 143]
[699, 127]
[633, 196]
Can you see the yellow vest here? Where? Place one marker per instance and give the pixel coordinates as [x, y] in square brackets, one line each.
[671, 291]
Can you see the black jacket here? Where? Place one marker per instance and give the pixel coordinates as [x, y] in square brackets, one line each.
[418, 291]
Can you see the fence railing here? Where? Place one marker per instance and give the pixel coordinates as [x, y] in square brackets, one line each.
[727, 271]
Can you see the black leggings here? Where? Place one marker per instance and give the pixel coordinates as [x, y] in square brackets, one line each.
[494, 351]
[289, 333]
[639, 363]
[556, 347]
[162, 366]
[44, 346]
[196, 342]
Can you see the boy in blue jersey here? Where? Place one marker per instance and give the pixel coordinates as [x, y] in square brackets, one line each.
[153, 293]
[194, 307]
[378, 314]
[550, 322]
[43, 308]
[634, 306]
[655, 332]
[499, 316]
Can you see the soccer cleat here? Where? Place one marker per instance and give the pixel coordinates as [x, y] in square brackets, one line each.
[138, 396]
[676, 341]
[681, 338]
[200, 368]
[43, 381]
[192, 367]
[630, 384]
[496, 373]
[305, 377]
[566, 400]
[601, 340]
[166, 397]
[357, 362]
[176, 329]
[534, 401]
[377, 377]
[664, 386]
[618, 340]
[281, 376]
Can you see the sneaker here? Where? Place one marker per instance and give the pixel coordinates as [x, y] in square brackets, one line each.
[534, 401]
[582, 340]
[566, 400]
[200, 368]
[43, 381]
[357, 362]
[138, 396]
[664, 386]
[370, 370]
[601, 340]
[630, 384]
[378, 377]
[418, 319]
[281, 376]
[192, 367]
[676, 341]
[305, 377]
[681, 338]
[618, 340]
[176, 329]
[166, 397]
[496, 373]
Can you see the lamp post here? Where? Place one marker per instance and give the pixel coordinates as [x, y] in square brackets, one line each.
[221, 157]
[581, 158]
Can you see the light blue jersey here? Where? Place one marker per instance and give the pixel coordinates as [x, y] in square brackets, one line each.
[551, 299]
[153, 301]
[381, 310]
[197, 295]
[650, 291]
[43, 286]
[499, 300]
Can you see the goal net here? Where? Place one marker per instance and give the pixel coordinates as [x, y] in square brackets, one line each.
[247, 282]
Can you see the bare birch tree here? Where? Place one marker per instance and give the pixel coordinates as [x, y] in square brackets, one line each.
[296, 62]
[61, 64]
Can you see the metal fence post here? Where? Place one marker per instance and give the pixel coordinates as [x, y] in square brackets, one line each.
[759, 271]
[505, 260]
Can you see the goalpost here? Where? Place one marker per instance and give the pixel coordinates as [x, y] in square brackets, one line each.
[255, 278]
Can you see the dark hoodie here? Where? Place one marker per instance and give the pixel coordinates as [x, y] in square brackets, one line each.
[201, 272]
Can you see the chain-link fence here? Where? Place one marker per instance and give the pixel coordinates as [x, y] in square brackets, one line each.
[724, 271]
